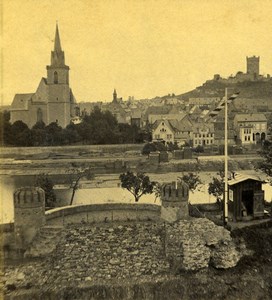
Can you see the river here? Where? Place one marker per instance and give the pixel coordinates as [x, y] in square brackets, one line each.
[105, 189]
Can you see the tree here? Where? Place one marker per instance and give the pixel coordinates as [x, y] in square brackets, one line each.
[216, 187]
[5, 128]
[157, 189]
[20, 134]
[192, 180]
[52, 132]
[43, 181]
[76, 174]
[266, 153]
[137, 184]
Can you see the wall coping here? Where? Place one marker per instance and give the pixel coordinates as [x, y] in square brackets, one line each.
[74, 209]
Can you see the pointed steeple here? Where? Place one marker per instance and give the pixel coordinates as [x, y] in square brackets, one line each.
[57, 55]
[114, 96]
[57, 72]
[57, 46]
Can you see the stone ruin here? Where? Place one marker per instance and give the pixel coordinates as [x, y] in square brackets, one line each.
[174, 198]
[29, 215]
[190, 243]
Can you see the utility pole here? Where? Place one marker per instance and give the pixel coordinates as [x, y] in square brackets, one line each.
[225, 213]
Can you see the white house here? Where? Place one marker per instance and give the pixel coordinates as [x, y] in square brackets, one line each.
[250, 128]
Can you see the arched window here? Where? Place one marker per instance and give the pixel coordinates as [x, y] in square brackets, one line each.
[39, 115]
[56, 80]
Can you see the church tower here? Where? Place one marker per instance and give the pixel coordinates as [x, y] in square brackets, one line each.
[53, 100]
[114, 99]
[60, 98]
[57, 72]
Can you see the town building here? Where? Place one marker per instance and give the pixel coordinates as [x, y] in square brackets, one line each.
[203, 134]
[250, 128]
[117, 108]
[53, 100]
[174, 131]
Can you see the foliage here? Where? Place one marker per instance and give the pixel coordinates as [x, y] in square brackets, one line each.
[43, 181]
[137, 184]
[199, 149]
[75, 175]
[97, 128]
[149, 147]
[156, 146]
[172, 146]
[192, 180]
[266, 153]
[157, 189]
[216, 187]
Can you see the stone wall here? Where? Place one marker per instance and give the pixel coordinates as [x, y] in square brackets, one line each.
[122, 252]
[102, 213]
[11, 151]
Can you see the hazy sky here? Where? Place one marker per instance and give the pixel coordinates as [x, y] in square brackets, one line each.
[141, 48]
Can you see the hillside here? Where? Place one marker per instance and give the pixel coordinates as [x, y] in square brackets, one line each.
[248, 89]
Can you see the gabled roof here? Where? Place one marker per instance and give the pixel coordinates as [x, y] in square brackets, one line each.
[20, 101]
[157, 110]
[175, 125]
[203, 125]
[237, 178]
[250, 117]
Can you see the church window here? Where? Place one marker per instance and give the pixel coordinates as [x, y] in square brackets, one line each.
[56, 80]
[39, 115]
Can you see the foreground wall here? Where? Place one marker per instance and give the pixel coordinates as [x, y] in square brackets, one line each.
[102, 213]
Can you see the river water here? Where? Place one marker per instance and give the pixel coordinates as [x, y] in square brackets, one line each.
[97, 192]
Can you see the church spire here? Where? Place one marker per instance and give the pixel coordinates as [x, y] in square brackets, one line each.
[57, 46]
[114, 96]
[57, 55]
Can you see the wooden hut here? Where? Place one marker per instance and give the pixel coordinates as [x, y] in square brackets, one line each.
[246, 197]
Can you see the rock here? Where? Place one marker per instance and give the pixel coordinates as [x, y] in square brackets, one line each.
[20, 276]
[10, 285]
[88, 278]
[114, 261]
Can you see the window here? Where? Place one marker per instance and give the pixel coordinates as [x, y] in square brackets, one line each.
[56, 80]
[39, 115]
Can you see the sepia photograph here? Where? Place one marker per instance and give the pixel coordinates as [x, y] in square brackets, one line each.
[136, 150]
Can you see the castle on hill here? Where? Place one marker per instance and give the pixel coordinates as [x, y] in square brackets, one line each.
[53, 100]
[252, 73]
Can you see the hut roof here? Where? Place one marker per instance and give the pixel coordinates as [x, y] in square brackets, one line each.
[237, 178]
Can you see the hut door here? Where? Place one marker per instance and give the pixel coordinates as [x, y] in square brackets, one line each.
[258, 205]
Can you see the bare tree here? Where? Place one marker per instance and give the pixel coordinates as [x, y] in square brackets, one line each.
[76, 174]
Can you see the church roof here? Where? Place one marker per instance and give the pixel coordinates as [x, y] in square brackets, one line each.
[20, 101]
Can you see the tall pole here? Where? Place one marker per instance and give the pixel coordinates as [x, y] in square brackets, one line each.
[226, 160]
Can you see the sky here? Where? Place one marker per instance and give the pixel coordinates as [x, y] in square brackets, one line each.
[142, 48]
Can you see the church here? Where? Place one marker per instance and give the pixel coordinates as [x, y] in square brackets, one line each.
[53, 100]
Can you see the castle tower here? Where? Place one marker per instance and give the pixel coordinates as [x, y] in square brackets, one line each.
[29, 214]
[114, 99]
[253, 66]
[174, 197]
[60, 98]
